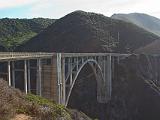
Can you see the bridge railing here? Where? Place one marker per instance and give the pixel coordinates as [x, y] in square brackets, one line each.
[23, 55]
[91, 54]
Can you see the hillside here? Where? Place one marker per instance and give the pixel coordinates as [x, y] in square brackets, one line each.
[15, 31]
[152, 48]
[2, 48]
[150, 23]
[89, 32]
[135, 91]
[15, 104]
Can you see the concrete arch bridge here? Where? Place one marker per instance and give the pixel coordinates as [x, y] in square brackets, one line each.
[53, 75]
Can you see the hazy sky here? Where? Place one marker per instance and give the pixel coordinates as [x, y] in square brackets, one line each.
[59, 8]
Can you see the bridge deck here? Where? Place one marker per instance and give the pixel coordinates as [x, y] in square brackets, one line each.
[91, 54]
[4, 56]
[55, 79]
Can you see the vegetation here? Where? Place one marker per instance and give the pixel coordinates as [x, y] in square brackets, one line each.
[13, 102]
[13, 32]
[10, 42]
[149, 23]
[89, 32]
[47, 110]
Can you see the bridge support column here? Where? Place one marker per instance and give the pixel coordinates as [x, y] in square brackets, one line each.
[25, 77]
[70, 71]
[118, 59]
[13, 74]
[101, 76]
[63, 82]
[29, 77]
[109, 75]
[113, 62]
[54, 84]
[104, 86]
[9, 73]
[39, 78]
[59, 77]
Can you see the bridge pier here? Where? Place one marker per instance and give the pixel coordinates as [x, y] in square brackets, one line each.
[9, 73]
[55, 83]
[39, 78]
[70, 70]
[63, 82]
[13, 74]
[25, 77]
[61, 79]
[29, 76]
[109, 76]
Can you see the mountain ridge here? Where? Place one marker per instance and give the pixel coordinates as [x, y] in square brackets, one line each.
[148, 22]
[15, 31]
[82, 31]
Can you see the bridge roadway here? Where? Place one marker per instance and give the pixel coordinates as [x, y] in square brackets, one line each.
[56, 73]
[33, 55]
[23, 55]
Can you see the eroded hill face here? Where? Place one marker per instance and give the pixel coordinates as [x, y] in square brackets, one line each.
[89, 32]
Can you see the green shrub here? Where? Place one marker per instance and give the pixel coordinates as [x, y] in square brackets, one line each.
[47, 109]
[38, 100]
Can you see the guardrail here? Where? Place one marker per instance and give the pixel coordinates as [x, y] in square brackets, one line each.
[34, 55]
[24, 55]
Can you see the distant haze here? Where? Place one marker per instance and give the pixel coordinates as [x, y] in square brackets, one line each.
[147, 22]
[59, 8]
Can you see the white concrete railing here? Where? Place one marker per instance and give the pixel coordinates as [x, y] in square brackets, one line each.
[24, 55]
[33, 55]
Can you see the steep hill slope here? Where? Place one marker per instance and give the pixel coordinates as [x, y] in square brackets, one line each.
[15, 31]
[150, 23]
[13, 102]
[89, 32]
[2, 48]
[135, 91]
[152, 48]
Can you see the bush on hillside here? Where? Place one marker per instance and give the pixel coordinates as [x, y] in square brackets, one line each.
[12, 102]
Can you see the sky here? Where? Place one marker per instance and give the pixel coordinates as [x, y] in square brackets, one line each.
[58, 8]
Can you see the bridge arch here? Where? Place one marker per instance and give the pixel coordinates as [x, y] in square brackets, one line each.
[99, 75]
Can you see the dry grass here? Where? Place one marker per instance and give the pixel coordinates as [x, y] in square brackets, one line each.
[22, 117]
[9, 100]
[13, 102]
